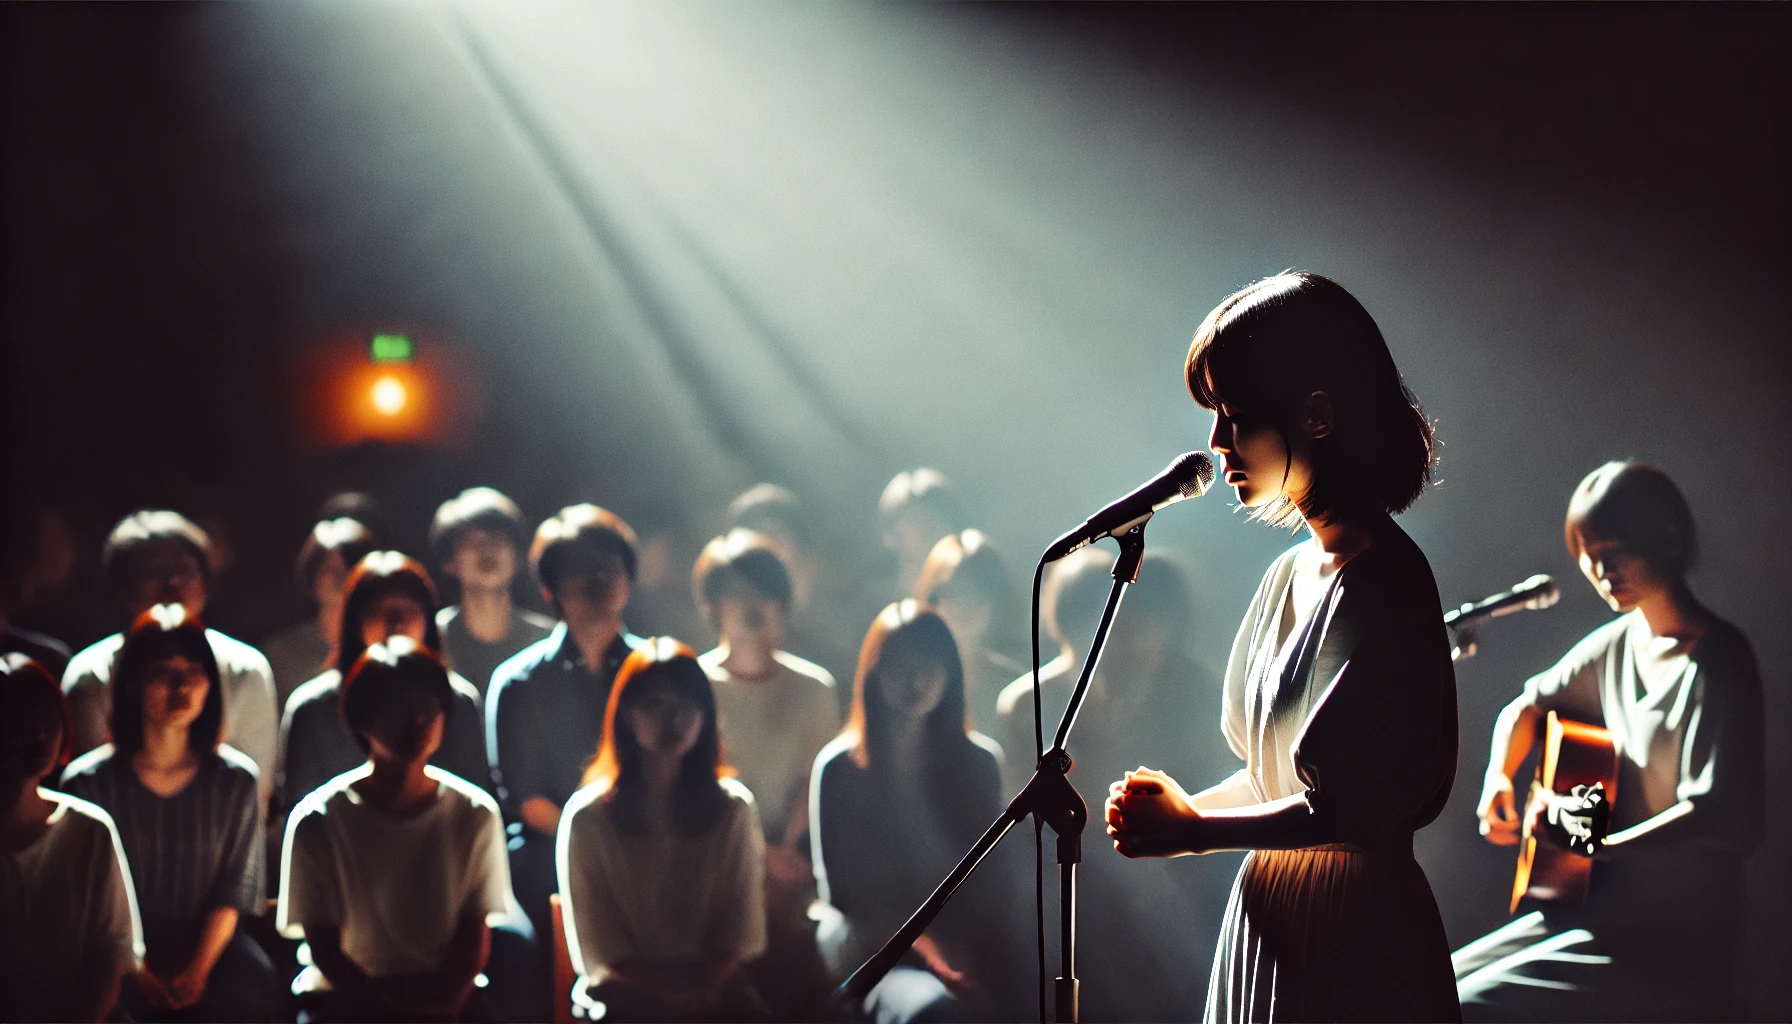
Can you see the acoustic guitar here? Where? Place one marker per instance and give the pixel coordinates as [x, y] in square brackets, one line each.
[1575, 754]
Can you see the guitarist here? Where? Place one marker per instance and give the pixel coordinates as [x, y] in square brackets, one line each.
[1679, 691]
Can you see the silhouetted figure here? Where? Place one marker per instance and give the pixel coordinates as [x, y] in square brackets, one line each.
[477, 538]
[1679, 689]
[21, 572]
[966, 580]
[917, 508]
[68, 916]
[395, 874]
[545, 712]
[896, 800]
[159, 557]
[387, 595]
[661, 856]
[777, 712]
[190, 821]
[298, 653]
[1339, 694]
[828, 606]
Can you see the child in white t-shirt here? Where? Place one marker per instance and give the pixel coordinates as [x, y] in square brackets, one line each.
[394, 871]
[68, 916]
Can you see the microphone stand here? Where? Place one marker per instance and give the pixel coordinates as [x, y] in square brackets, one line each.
[1050, 797]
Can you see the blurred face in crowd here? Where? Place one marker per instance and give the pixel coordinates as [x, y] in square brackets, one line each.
[664, 722]
[174, 694]
[748, 619]
[593, 589]
[327, 587]
[912, 536]
[394, 615]
[909, 684]
[167, 572]
[1137, 652]
[407, 736]
[483, 560]
[29, 745]
[967, 615]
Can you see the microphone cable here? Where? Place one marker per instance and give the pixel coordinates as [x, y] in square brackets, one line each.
[1038, 821]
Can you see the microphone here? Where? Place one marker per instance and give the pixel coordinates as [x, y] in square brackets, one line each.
[1187, 477]
[1540, 591]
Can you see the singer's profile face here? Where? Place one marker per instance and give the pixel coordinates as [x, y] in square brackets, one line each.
[1623, 578]
[1255, 458]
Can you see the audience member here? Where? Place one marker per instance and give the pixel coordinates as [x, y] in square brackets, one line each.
[659, 600]
[918, 507]
[896, 799]
[546, 705]
[394, 873]
[68, 916]
[777, 712]
[477, 538]
[965, 579]
[159, 557]
[661, 857]
[188, 815]
[388, 595]
[331, 551]
[22, 540]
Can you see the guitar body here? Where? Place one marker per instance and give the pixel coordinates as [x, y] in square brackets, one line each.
[1574, 754]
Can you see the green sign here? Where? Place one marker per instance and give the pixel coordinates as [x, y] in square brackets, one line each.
[391, 348]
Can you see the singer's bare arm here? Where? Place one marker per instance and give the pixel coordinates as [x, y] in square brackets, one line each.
[1150, 815]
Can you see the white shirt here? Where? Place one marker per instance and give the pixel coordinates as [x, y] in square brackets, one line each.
[661, 898]
[67, 913]
[397, 888]
[772, 729]
[251, 717]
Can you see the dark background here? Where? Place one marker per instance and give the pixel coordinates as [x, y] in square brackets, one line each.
[666, 252]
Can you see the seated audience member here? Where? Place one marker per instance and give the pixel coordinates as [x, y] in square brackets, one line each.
[1148, 703]
[477, 538]
[896, 799]
[68, 917]
[159, 557]
[332, 549]
[187, 813]
[545, 711]
[918, 507]
[777, 712]
[659, 599]
[827, 608]
[388, 595]
[966, 580]
[1070, 605]
[661, 857]
[394, 873]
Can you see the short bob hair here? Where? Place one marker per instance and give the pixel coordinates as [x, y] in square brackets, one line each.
[1637, 507]
[739, 558]
[964, 563]
[349, 538]
[575, 527]
[1268, 347]
[395, 677]
[379, 575]
[775, 511]
[121, 558]
[698, 800]
[476, 508]
[31, 707]
[162, 632]
[925, 489]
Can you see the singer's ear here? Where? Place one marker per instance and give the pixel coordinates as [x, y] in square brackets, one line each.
[1319, 415]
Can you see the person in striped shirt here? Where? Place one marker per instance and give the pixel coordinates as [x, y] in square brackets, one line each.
[190, 823]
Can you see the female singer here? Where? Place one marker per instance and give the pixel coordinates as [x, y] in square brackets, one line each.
[1339, 694]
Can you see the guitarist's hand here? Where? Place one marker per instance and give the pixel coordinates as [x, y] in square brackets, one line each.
[1575, 821]
[1498, 810]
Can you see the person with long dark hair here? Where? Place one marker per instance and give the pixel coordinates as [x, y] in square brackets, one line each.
[965, 579]
[1680, 691]
[660, 854]
[387, 595]
[1339, 695]
[68, 916]
[895, 800]
[190, 821]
